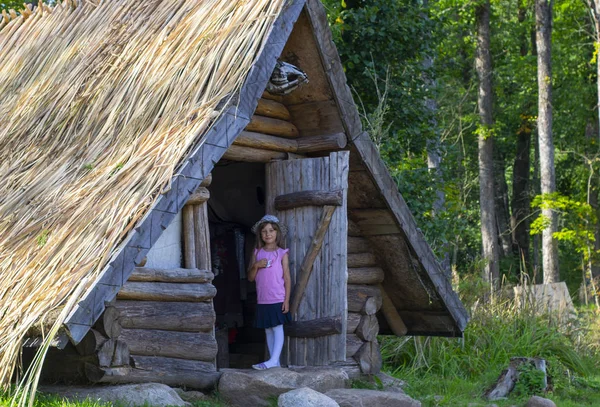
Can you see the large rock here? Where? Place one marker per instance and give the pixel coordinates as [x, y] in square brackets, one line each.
[537, 401]
[371, 398]
[389, 383]
[191, 396]
[257, 387]
[305, 397]
[150, 394]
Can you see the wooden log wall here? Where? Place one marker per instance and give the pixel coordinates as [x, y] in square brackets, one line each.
[166, 317]
[272, 136]
[364, 300]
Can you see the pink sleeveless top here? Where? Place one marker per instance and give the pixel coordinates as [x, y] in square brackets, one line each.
[270, 286]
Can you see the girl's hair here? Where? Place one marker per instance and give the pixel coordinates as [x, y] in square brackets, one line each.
[279, 241]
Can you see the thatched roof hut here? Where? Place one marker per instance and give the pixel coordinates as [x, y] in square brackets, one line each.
[115, 118]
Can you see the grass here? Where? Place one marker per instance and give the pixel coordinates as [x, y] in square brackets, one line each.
[457, 372]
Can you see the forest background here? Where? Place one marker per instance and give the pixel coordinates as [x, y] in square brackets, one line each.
[412, 67]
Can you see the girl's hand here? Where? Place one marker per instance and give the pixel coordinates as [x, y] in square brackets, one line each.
[261, 264]
[286, 306]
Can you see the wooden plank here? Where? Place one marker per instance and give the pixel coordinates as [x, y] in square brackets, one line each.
[172, 344]
[175, 275]
[253, 155]
[308, 198]
[181, 292]
[391, 314]
[307, 264]
[274, 127]
[317, 327]
[273, 109]
[168, 316]
[365, 275]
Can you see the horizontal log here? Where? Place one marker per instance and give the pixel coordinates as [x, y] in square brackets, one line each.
[353, 229]
[365, 275]
[274, 127]
[353, 321]
[121, 354]
[170, 371]
[368, 328]
[97, 374]
[374, 221]
[269, 96]
[315, 144]
[353, 344]
[314, 328]
[272, 108]
[184, 292]
[308, 198]
[358, 245]
[168, 316]
[357, 260]
[199, 196]
[252, 155]
[365, 299]
[173, 344]
[301, 145]
[176, 275]
[266, 142]
[106, 353]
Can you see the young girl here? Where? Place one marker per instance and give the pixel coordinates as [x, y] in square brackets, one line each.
[270, 268]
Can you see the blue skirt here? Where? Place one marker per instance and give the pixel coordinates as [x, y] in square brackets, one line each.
[271, 315]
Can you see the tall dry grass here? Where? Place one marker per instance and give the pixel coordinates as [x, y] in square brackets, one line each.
[99, 102]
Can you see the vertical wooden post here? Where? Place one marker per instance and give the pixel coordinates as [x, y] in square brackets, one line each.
[196, 235]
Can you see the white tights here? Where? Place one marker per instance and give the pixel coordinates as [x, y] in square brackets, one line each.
[275, 344]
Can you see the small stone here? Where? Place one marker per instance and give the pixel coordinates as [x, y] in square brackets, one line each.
[537, 401]
[438, 398]
[305, 397]
[371, 398]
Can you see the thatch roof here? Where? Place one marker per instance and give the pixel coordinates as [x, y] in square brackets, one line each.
[99, 104]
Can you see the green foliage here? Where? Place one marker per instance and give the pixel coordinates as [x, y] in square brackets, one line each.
[460, 370]
[531, 381]
[42, 238]
[11, 4]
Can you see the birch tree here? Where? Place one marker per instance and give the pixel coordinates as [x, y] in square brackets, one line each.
[543, 22]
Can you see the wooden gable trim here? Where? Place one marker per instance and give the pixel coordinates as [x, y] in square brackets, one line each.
[193, 170]
[370, 157]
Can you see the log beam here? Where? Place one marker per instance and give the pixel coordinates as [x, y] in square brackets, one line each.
[365, 275]
[252, 155]
[168, 316]
[184, 292]
[199, 196]
[357, 260]
[309, 198]
[314, 328]
[313, 144]
[369, 358]
[275, 127]
[367, 328]
[273, 109]
[391, 314]
[353, 321]
[172, 344]
[189, 245]
[358, 245]
[176, 275]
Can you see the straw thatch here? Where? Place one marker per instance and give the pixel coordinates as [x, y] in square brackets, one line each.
[98, 104]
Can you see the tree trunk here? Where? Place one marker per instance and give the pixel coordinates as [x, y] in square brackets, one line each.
[520, 197]
[483, 64]
[502, 211]
[543, 19]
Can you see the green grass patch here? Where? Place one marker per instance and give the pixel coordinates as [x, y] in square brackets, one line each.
[456, 372]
